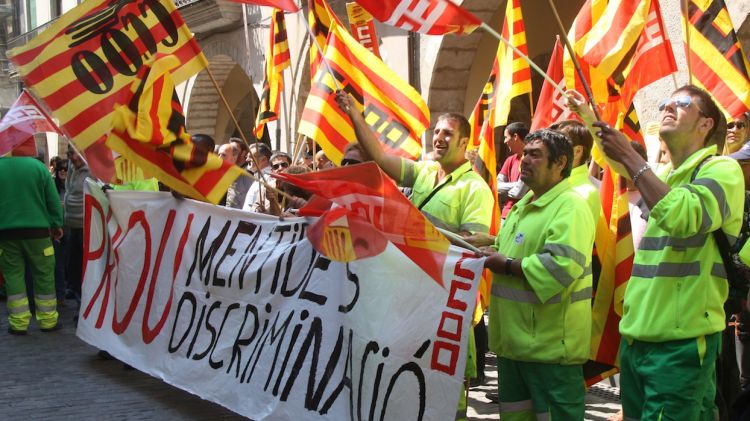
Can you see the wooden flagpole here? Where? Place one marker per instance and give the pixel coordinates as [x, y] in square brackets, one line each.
[523, 56]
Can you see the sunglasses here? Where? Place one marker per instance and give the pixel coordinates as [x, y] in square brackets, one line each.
[736, 124]
[682, 101]
[278, 165]
[347, 161]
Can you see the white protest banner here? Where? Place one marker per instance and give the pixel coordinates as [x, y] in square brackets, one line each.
[239, 309]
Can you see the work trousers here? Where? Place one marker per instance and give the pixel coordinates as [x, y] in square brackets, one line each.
[40, 256]
[672, 380]
[539, 391]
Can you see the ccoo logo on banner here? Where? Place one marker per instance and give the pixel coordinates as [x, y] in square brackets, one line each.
[238, 308]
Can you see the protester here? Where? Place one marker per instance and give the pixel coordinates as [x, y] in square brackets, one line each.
[31, 218]
[447, 190]
[232, 153]
[78, 171]
[674, 303]
[322, 162]
[509, 188]
[260, 153]
[737, 133]
[60, 245]
[582, 142]
[354, 154]
[280, 161]
[541, 268]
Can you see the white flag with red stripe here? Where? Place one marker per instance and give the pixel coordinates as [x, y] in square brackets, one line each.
[434, 17]
[24, 119]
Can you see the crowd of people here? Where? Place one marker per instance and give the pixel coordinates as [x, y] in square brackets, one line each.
[684, 323]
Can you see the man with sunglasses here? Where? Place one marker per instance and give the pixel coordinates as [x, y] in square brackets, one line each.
[737, 131]
[447, 190]
[280, 161]
[673, 311]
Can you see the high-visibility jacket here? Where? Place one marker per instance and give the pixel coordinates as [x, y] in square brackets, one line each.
[678, 284]
[546, 317]
[463, 203]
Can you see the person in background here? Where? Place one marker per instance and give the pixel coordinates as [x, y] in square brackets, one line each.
[737, 133]
[30, 220]
[78, 171]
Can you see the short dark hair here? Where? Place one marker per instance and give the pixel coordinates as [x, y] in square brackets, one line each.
[557, 146]
[519, 128]
[464, 128]
[362, 152]
[262, 149]
[240, 143]
[203, 142]
[577, 133]
[279, 154]
[709, 109]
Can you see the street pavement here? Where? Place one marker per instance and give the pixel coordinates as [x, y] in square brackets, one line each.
[56, 376]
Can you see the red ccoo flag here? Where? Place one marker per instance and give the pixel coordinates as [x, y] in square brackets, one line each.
[287, 5]
[550, 108]
[433, 17]
[368, 211]
[24, 119]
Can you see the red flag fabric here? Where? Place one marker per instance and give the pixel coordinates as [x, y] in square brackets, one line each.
[368, 210]
[26, 148]
[550, 108]
[715, 55]
[24, 119]
[287, 5]
[434, 17]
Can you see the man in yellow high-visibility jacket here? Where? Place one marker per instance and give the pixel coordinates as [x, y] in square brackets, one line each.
[447, 190]
[540, 311]
[674, 303]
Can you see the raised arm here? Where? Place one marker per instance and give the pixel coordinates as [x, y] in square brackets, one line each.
[391, 164]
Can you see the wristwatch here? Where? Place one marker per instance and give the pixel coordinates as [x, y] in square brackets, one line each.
[508, 261]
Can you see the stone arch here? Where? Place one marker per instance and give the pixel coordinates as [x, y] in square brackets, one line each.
[462, 64]
[206, 113]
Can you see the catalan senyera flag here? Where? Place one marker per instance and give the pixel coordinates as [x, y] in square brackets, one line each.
[614, 246]
[369, 211]
[150, 133]
[277, 60]
[513, 73]
[84, 63]
[24, 119]
[590, 13]
[652, 59]
[392, 108]
[716, 59]
[434, 17]
[550, 108]
[320, 18]
[610, 39]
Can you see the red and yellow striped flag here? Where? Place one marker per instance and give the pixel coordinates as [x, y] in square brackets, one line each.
[321, 18]
[589, 14]
[610, 39]
[716, 59]
[614, 246]
[277, 59]
[84, 63]
[392, 108]
[513, 74]
[150, 132]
